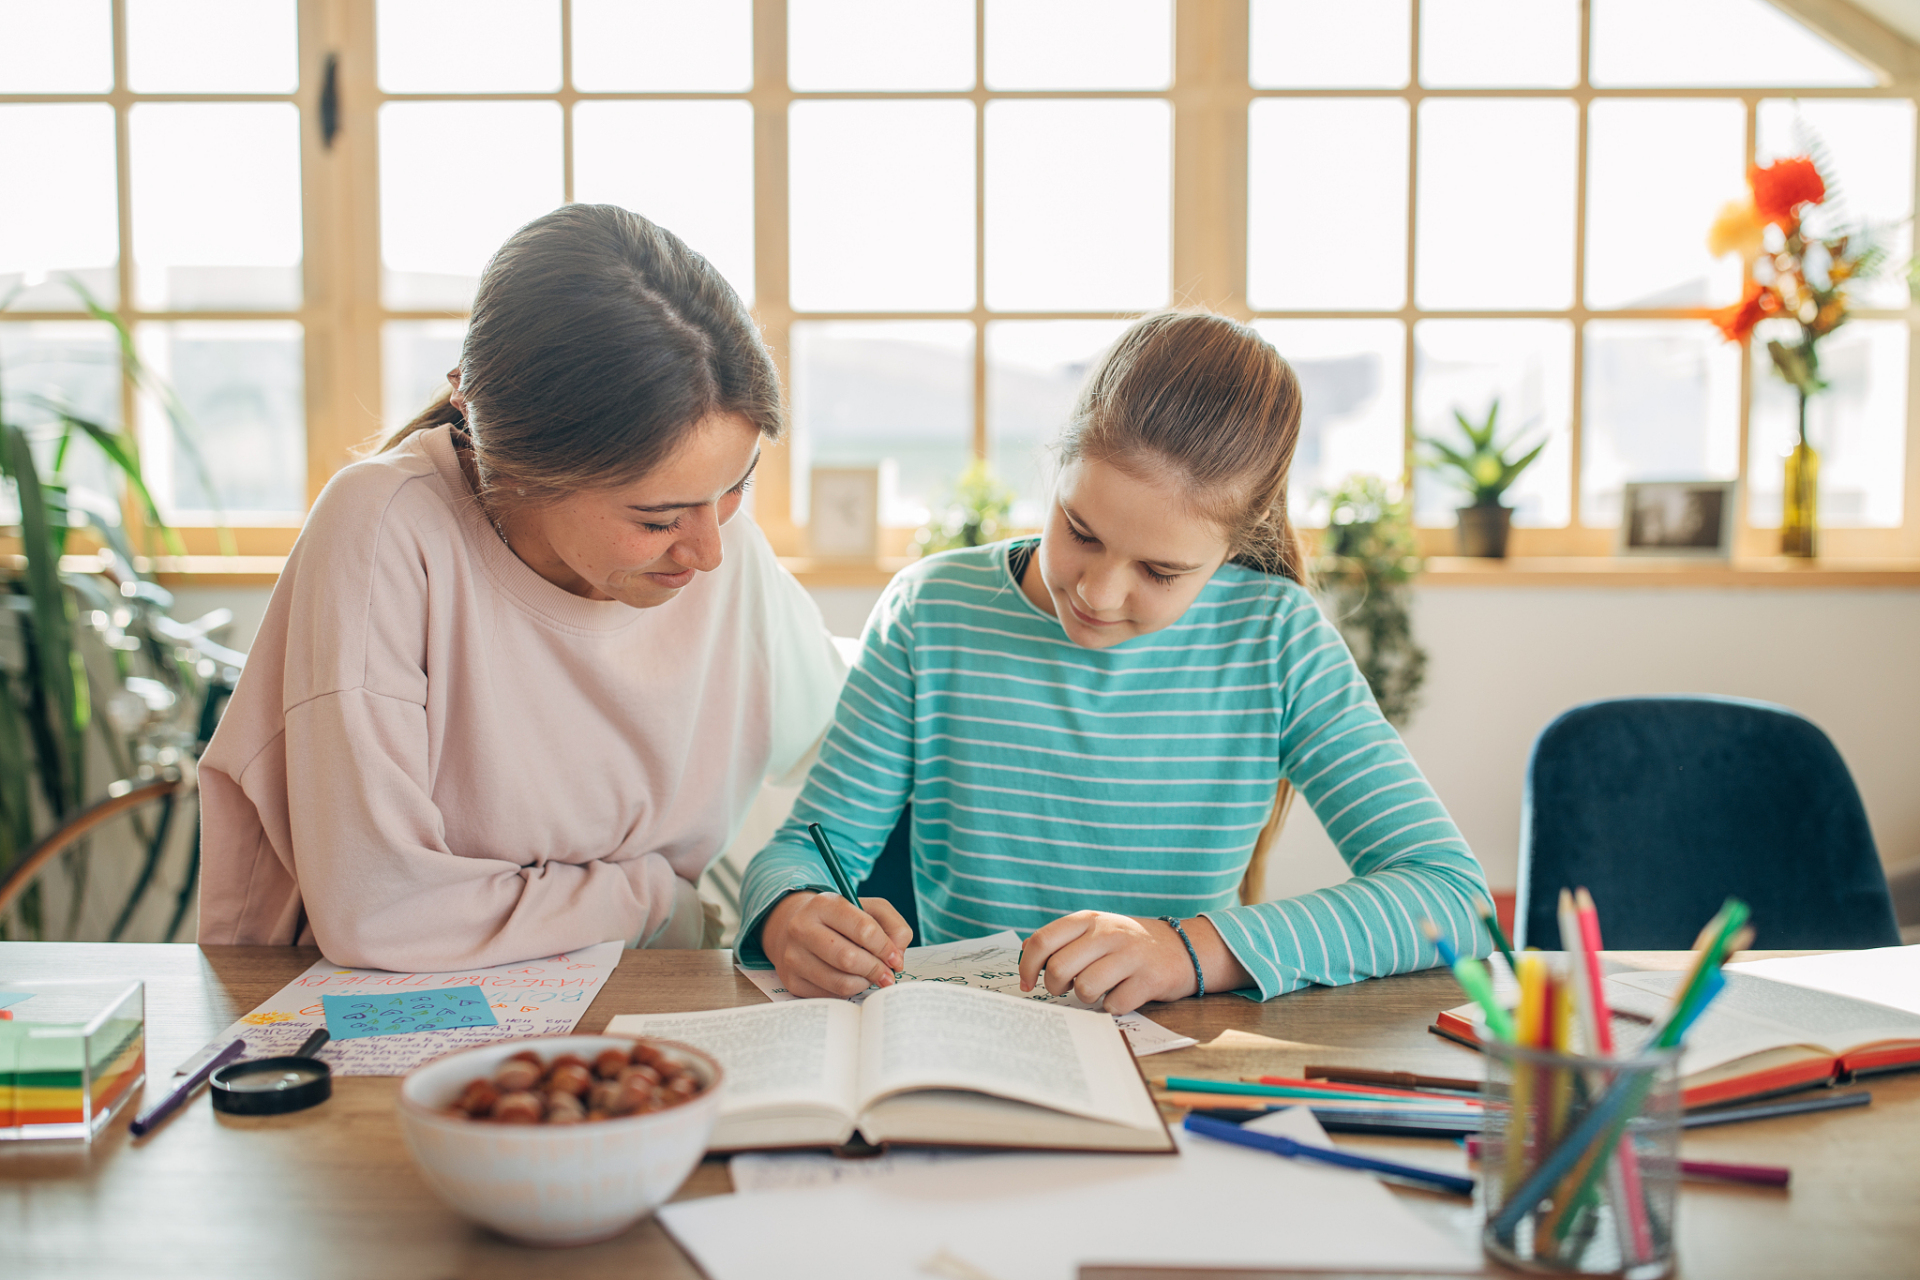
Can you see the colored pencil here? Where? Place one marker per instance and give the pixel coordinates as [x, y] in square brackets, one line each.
[834, 868]
[1484, 910]
[1393, 1079]
[1474, 980]
[1375, 1091]
[1768, 1110]
[1760, 1175]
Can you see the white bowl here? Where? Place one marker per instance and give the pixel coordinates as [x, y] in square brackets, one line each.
[557, 1184]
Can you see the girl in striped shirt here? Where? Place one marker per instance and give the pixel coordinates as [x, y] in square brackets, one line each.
[1097, 729]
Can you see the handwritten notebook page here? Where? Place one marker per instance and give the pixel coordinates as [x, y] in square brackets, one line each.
[531, 998]
[991, 963]
[1036, 1216]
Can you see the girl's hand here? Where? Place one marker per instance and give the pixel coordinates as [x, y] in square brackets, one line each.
[821, 946]
[1125, 961]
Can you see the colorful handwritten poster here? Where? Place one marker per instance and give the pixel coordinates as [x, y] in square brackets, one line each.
[351, 1017]
[531, 998]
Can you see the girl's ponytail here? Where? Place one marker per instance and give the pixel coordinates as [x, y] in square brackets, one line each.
[1211, 399]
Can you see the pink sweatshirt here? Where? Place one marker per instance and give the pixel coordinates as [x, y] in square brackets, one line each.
[438, 759]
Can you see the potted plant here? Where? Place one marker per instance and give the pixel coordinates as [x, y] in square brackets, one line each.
[977, 515]
[1486, 471]
[1363, 574]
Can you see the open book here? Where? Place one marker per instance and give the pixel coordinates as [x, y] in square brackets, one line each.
[1763, 1034]
[924, 1064]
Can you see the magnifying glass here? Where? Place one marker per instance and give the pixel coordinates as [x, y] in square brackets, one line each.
[274, 1086]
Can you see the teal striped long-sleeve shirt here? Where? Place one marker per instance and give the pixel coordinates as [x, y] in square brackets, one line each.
[1046, 778]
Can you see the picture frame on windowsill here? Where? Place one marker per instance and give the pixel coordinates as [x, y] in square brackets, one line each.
[1690, 519]
[844, 521]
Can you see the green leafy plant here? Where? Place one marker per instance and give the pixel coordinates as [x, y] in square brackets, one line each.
[977, 515]
[92, 668]
[1367, 559]
[1483, 468]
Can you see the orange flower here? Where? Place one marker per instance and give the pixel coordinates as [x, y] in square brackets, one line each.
[1738, 229]
[1780, 188]
[1737, 321]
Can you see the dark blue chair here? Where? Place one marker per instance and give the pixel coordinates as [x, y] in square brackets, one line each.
[891, 876]
[1665, 806]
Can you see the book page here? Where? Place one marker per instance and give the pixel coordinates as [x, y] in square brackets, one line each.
[1754, 1015]
[932, 1036]
[991, 963]
[801, 1051]
[1883, 975]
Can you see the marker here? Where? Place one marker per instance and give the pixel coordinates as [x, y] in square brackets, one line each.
[1280, 1146]
[181, 1092]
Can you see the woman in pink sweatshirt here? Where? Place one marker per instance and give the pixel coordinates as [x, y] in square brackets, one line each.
[524, 672]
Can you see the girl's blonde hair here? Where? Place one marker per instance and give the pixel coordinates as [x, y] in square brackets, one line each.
[599, 341]
[1211, 400]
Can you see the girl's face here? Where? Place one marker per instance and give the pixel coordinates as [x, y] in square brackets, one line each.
[641, 542]
[1121, 556]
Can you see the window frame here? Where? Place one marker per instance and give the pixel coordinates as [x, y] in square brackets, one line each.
[342, 313]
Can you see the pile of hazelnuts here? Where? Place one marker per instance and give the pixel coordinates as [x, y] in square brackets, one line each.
[569, 1090]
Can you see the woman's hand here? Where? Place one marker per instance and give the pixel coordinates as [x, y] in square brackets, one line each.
[1126, 961]
[821, 946]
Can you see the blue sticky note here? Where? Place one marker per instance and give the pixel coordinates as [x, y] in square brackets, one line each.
[395, 1013]
[13, 997]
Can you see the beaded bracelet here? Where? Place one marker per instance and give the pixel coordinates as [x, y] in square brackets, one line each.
[1199, 977]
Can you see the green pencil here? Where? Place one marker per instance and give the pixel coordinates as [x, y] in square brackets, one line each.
[1487, 917]
[834, 868]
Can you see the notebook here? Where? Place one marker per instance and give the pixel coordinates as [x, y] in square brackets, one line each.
[1779, 1025]
[919, 1064]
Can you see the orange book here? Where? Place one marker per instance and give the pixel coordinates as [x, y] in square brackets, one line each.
[1768, 1034]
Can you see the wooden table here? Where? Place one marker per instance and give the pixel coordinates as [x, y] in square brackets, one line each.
[332, 1192]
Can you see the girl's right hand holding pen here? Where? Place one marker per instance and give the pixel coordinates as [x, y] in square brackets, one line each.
[821, 945]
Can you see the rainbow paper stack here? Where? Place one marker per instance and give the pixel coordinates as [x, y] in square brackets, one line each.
[70, 1054]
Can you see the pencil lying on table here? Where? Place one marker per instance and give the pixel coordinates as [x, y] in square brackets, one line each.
[1760, 1175]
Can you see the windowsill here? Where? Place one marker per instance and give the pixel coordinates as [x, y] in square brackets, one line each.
[1660, 571]
[1442, 571]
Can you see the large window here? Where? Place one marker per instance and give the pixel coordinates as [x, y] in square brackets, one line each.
[942, 211]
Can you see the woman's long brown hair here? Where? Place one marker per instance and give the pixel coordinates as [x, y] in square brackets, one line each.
[598, 342]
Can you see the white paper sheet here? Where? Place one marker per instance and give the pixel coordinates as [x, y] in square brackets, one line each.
[1037, 1216]
[531, 998]
[992, 963]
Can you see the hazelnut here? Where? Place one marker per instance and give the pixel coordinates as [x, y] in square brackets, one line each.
[518, 1108]
[607, 1063]
[573, 1078]
[478, 1097]
[517, 1074]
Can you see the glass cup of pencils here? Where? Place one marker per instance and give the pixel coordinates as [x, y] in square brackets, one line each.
[1580, 1160]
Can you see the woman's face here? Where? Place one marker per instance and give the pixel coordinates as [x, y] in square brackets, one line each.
[1121, 556]
[641, 542]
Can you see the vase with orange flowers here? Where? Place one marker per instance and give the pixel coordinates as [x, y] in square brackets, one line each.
[1799, 278]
